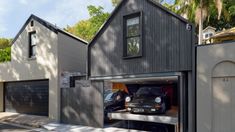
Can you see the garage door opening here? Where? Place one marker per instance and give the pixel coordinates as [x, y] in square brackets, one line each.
[142, 103]
[27, 97]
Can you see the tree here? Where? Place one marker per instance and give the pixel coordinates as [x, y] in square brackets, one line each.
[4, 42]
[5, 49]
[5, 54]
[198, 10]
[227, 19]
[116, 2]
[86, 29]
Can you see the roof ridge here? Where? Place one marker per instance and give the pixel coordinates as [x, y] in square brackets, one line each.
[151, 1]
[49, 25]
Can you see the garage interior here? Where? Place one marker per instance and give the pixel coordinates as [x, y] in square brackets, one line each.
[168, 121]
[27, 97]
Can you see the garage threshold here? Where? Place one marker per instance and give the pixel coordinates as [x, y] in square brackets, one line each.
[23, 119]
[78, 128]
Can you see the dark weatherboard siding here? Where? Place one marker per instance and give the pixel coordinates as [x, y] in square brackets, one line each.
[167, 44]
[29, 97]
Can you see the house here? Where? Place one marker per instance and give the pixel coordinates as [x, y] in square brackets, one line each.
[224, 36]
[40, 54]
[143, 43]
[208, 32]
[215, 87]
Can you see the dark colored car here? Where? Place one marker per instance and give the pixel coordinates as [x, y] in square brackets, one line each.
[114, 101]
[148, 100]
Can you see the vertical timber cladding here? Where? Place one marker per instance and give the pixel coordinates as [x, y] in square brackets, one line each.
[83, 104]
[167, 43]
[27, 97]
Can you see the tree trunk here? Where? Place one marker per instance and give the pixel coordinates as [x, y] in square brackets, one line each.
[200, 36]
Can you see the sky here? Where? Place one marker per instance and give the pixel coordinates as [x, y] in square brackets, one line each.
[14, 13]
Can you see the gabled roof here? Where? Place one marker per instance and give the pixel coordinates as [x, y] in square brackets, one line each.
[106, 23]
[225, 33]
[48, 25]
[209, 27]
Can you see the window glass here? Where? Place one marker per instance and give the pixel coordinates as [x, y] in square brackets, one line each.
[133, 28]
[133, 46]
[33, 50]
[32, 44]
[33, 39]
[133, 36]
[149, 91]
[109, 97]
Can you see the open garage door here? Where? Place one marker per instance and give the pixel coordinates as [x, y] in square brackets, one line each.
[149, 103]
[28, 97]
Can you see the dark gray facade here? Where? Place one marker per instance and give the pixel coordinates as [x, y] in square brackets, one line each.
[166, 40]
[168, 48]
[83, 104]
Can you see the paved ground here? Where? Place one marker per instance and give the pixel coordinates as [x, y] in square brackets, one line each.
[13, 122]
[22, 119]
[6, 127]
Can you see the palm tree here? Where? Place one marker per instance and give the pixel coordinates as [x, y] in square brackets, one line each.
[197, 11]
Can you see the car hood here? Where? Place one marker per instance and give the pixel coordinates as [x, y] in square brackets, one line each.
[143, 99]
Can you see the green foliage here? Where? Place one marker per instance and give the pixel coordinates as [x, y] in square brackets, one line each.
[4, 43]
[211, 12]
[5, 49]
[227, 19]
[86, 29]
[5, 54]
[116, 2]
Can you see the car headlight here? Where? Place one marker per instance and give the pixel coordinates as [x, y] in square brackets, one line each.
[158, 100]
[128, 99]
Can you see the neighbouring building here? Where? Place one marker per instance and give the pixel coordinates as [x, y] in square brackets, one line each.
[41, 53]
[143, 43]
[208, 32]
[224, 36]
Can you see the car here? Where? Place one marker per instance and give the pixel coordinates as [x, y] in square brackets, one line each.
[148, 100]
[114, 101]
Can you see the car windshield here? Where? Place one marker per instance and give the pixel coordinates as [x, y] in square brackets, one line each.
[149, 91]
[109, 97]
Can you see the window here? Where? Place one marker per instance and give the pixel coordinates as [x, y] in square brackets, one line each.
[210, 34]
[132, 32]
[31, 23]
[32, 44]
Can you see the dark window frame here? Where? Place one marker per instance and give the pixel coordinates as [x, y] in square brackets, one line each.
[31, 55]
[125, 37]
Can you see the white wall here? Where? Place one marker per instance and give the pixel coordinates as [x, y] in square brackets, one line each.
[44, 66]
[207, 58]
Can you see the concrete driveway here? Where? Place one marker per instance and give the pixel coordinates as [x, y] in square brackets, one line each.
[6, 127]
